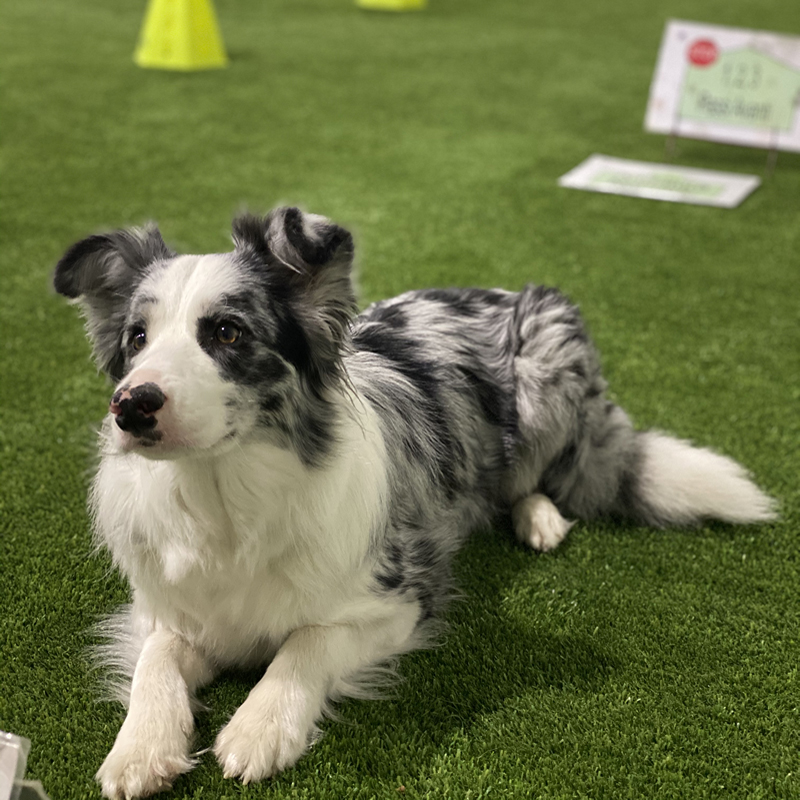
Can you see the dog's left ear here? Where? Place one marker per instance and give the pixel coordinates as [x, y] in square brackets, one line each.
[307, 262]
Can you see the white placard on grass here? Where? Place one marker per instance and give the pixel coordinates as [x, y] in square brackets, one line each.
[703, 187]
[730, 85]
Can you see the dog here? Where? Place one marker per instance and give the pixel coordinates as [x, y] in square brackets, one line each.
[284, 483]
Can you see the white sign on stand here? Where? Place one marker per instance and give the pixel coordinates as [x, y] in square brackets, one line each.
[729, 85]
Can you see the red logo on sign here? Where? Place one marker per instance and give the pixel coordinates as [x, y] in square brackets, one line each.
[703, 52]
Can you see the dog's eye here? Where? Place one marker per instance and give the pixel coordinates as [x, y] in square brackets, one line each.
[138, 340]
[227, 333]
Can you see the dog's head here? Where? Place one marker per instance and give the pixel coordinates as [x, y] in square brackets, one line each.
[213, 349]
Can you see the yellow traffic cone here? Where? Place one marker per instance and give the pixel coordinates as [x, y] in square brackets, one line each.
[391, 5]
[180, 34]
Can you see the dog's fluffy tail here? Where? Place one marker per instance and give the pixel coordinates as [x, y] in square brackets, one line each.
[652, 479]
[672, 482]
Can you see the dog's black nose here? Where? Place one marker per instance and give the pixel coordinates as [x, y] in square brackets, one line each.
[134, 408]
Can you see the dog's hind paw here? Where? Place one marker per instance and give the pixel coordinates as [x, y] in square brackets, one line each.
[538, 523]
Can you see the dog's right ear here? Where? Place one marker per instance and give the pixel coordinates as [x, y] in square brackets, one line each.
[101, 273]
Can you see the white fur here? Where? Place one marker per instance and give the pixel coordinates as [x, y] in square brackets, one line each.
[152, 747]
[538, 523]
[684, 482]
[270, 731]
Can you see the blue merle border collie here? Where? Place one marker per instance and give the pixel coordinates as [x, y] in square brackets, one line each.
[284, 483]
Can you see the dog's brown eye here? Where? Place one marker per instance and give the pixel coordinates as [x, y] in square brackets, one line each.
[227, 333]
[139, 340]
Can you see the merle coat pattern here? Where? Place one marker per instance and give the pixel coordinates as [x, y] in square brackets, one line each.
[285, 483]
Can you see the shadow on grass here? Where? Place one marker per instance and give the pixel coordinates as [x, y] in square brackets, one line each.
[485, 661]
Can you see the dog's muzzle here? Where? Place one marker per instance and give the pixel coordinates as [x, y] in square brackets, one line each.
[134, 409]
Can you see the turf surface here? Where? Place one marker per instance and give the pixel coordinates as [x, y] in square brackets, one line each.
[629, 664]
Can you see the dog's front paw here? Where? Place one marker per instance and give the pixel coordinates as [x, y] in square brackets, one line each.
[142, 763]
[255, 745]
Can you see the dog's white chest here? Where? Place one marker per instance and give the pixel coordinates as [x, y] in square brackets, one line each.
[230, 566]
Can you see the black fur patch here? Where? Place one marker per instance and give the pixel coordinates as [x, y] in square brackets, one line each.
[315, 252]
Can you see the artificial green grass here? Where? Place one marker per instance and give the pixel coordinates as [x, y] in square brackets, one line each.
[631, 663]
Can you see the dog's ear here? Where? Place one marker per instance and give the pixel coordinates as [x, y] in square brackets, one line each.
[101, 273]
[310, 253]
[306, 261]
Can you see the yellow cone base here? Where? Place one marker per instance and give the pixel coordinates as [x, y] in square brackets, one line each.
[392, 5]
[182, 35]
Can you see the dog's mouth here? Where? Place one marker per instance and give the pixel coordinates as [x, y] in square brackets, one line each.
[160, 442]
[152, 442]
[145, 434]
[144, 438]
